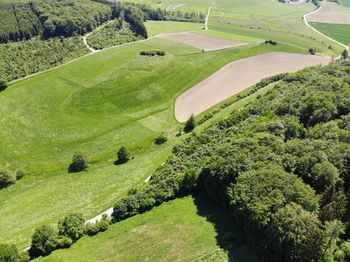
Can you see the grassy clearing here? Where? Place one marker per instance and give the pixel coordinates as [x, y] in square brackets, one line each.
[94, 105]
[187, 229]
[162, 27]
[340, 32]
[346, 3]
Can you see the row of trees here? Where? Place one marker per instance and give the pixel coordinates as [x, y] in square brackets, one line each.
[281, 166]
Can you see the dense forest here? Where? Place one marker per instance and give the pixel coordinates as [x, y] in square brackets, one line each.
[50, 18]
[27, 57]
[281, 165]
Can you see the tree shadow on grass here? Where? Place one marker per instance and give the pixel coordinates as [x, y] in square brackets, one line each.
[229, 236]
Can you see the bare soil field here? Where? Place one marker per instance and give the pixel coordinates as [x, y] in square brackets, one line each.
[331, 14]
[237, 76]
[206, 43]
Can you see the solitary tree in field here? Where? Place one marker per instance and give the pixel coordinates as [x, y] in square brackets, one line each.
[123, 155]
[78, 164]
[190, 124]
[345, 54]
[312, 51]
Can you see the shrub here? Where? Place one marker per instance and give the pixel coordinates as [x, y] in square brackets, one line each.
[161, 139]
[72, 226]
[78, 164]
[152, 53]
[64, 242]
[190, 124]
[6, 179]
[8, 253]
[344, 54]
[44, 241]
[271, 42]
[102, 225]
[312, 50]
[19, 174]
[123, 155]
[3, 85]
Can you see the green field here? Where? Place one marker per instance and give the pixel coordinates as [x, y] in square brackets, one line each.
[258, 20]
[340, 32]
[187, 229]
[346, 3]
[161, 27]
[94, 105]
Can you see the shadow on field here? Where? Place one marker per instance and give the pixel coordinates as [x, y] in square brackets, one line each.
[229, 237]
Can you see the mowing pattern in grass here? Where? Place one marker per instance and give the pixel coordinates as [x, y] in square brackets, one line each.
[95, 106]
[340, 32]
[187, 229]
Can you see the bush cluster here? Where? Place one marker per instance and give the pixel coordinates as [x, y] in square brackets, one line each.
[46, 238]
[8, 178]
[152, 53]
[271, 42]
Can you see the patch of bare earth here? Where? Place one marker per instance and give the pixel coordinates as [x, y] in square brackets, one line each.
[203, 42]
[331, 14]
[237, 76]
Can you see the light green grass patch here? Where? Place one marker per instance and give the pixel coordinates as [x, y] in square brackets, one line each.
[339, 32]
[163, 27]
[187, 229]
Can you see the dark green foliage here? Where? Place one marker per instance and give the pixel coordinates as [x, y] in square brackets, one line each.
[6, 178]
[152, 53]
[345, 54]
[79, 163]
[44, 241]
[123, 155]
[8, 253]
[259, 194]
[312, 51]
[23, 58]
[271, 42]
[136, 23]
[60, 18]
[64, 242]
[3, 85]
[190, 124]
[20, 174]
[72, 226]
[298, 234]
[161, 139]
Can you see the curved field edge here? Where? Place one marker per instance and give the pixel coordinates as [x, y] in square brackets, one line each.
[186, 229]
[340, 32]
[43, 105]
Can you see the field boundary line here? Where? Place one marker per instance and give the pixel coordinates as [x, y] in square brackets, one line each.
[315, 30]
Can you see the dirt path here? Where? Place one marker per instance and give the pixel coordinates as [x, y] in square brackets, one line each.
[314, 29]
[207, 18]
[237, 76]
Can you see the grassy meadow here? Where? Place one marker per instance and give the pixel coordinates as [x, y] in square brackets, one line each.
[257, 20]
[340, 32]
[94, 106]
[186, 229]
[162, 27]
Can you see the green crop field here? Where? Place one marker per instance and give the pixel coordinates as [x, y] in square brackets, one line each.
[340, 32]
[94, 106]
[187, 229]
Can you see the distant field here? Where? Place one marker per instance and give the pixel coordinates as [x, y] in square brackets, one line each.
[340, 32]
[187, 229]
[346, 3]
[162, 27]
[255, 19]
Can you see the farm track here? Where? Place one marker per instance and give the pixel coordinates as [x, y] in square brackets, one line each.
[315, 30]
